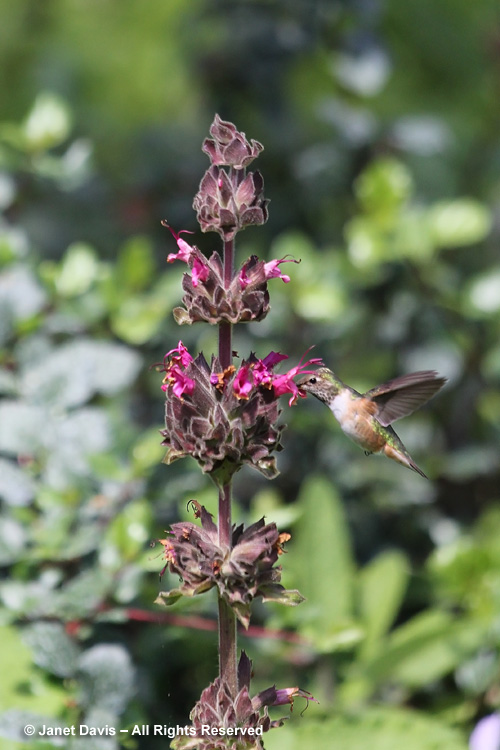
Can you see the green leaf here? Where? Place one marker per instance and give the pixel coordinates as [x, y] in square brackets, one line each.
[79, 269]
[21, 427]
[138, 318]
[129, 532]
[426, 648]
[273, 592]
[82, 595]
[21, 687]
[106, 677]
[459, 222]
[13, 538]
[48, 124]
[135, 266]
[383, 187]
[52, 648]
[322, 564]
[16, 486]
[147, 451]
[74, 372]
[20, 293]
[375, 728]
[318, 289]
[482, 296]
[382, 584]
[365, 245]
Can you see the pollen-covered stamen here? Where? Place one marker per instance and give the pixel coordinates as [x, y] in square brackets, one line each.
[197, 507]
[220, 379]
[168, 554]
[282, 539]
[288, 695]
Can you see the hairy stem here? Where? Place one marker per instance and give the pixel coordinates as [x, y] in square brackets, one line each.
[228, 669]
[227, 619]
[225, 329]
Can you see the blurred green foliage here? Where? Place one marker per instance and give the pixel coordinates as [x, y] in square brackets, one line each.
[380, 123]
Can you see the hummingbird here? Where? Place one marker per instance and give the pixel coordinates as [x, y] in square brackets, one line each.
[366, 418]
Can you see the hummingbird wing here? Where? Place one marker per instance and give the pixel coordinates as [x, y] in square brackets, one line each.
[403, 395]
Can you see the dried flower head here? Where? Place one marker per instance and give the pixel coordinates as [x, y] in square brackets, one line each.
[241, 573]
[222, 722]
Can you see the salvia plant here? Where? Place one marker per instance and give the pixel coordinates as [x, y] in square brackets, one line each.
[226, 415]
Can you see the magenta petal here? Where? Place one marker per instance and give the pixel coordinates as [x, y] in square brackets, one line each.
[199, 272]
[273, 358]
[243, 278]
[272, 271]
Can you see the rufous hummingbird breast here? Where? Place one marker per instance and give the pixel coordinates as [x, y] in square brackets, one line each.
[366, 418]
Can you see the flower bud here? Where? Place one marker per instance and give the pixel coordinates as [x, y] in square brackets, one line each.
[226, 205]
[230, 147]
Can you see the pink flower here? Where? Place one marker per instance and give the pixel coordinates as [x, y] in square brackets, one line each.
[262, 370]
[185, 250]
[254, 373]
[285, 384]
[179, 358]
[272, 271]
[269, 270]
[181, 384]
[243, 382]
[273, 358]
[190, 255]
[243, 277]
[199, 271]
[182, 356]
[260, 373]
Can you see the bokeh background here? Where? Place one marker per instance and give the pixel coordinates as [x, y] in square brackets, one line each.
[381, 126]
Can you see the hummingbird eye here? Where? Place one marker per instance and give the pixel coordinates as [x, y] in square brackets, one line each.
[312, 381]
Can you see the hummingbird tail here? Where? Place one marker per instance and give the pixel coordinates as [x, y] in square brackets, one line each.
[403, 458]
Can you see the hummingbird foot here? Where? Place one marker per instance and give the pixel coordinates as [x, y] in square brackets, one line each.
[368, 453]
